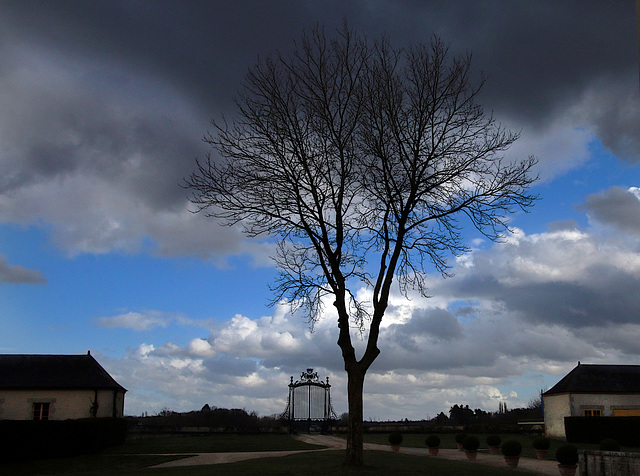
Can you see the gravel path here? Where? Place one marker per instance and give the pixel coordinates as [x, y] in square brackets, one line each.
[542, 467]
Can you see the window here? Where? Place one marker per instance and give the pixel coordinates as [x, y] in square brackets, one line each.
[593, 412]
[41, 411]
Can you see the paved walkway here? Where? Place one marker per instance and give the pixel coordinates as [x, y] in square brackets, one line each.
[542, 467]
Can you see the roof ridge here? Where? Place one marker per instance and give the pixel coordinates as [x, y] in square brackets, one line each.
[599, 378]
[54, 371]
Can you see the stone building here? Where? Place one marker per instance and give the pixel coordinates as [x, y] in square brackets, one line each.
[57, 387]
[592, 391]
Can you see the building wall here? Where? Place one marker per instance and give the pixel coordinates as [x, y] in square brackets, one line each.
[556, 407]
[63, 404]
[119, 410]
[606, 403]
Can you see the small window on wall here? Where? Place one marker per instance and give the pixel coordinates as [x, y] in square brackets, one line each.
[593, 412]
[41, 411]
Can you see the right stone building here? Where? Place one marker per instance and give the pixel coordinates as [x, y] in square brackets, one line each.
[591, 390]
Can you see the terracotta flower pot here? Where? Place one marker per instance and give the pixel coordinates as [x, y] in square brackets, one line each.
[433, 450]
[541, 454]
[471, 454]
[512, 461]
[494, 450]
[567, 469]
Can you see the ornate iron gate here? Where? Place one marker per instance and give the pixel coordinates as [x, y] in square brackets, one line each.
[309, 403]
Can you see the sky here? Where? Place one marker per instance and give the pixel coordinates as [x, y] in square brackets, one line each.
[103, 107]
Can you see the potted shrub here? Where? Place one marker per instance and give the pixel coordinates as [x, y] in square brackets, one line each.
[395, 439]
[459, 438]
[567, 456]
[541, 444]
[609, 444]
[511, 450]
[471, 445]
[433, 444]
[493, 442]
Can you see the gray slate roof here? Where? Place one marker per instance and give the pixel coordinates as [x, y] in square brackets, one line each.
[591, 378]
[36, 371]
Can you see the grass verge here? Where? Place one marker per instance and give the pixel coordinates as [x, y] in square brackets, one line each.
[311, 463]
[211, 444]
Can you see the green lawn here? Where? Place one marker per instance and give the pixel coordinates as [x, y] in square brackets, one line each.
[313, 463]
[330, 463]
[212, 444]
[134, 458]
[98, 465]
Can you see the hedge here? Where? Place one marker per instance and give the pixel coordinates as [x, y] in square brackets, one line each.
[27, 440]
[625, 430]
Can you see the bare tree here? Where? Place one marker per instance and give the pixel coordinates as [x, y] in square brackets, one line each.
[360, 159]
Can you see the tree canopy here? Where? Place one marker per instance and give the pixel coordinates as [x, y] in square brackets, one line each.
[360, 159]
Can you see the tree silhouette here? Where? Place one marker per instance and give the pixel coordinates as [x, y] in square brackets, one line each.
[359, 159]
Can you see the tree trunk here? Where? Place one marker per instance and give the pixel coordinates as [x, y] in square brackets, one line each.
[355, 387]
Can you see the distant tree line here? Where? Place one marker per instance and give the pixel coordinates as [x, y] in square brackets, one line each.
[463, 415]
[234, 419]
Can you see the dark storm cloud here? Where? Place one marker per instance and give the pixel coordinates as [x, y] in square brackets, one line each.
[616, 207]
[14, 274]
[439, 323]
[548, 59]
[124, 90]
[561, 278]
[200, 47]
[547, 52]
[539, 56]
[610, 300]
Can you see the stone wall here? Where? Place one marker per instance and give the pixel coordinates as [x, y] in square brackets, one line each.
[609, 463]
